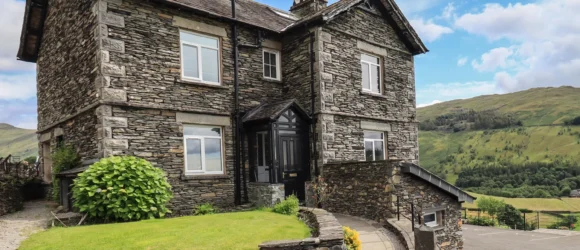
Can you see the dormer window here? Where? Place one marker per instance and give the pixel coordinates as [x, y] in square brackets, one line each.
[371, 73]
[272, 64]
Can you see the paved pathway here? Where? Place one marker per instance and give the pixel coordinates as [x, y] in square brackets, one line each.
[489, 238]
[16, 227]
[372, 235]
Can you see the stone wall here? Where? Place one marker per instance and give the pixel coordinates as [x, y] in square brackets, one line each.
[344, 106]
[361, 189]
[10, 196]
[425, 196]
[265, 194]
[326, 233]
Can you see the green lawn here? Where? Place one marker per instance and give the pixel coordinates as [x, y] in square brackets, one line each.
[244, 230]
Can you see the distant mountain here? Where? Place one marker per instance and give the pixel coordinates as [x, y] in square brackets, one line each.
[17, 141]
[540, 137]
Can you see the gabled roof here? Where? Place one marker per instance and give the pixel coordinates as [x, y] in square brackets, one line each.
[435, 180]
[273, 111]
[248, 12]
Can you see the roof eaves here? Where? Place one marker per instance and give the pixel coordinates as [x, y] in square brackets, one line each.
[435, 180]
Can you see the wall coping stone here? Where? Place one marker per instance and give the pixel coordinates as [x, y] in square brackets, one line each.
[401, 233]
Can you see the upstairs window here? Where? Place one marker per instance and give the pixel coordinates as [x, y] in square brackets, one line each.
[200, 57]
[374, 146]
[272, 64]
[371, 73]
[203, 150]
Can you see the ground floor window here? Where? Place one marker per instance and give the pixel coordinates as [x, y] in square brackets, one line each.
[374, 145]
[203, 149]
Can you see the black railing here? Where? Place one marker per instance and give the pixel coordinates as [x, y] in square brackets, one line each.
[414, 216]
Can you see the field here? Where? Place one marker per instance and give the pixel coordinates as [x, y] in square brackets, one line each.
[536, 204]
[539, 106]
[453, 151]
[17, 141]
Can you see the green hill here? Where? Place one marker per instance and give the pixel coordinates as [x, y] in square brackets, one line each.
[17, 141]
[538, 106]
[446, 153]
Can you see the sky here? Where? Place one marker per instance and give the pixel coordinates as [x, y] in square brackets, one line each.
[477, 47]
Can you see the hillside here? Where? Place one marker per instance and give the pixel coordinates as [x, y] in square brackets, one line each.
[538, 106]
[446, 152]
[17, 141]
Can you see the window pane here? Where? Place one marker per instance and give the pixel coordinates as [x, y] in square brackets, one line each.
[375, 79]
[193, 147]
[199, 40]
[266, 57]
[371, 59]
[273, 59]
[267, 71]
[202, 131]
[365, 76]
[260, 150]
[429, 218]
[213, 155]
[291, 154]
[285, 154]
[190, 64]
[379, 151]
[373, 135]
[273, 70]
[210, 65]
[369, 150]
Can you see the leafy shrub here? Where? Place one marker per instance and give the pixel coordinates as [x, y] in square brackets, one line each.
[122, 189]
[63, 159]
[204, 209]
[289, 206]
[481, 221]
[351, 239]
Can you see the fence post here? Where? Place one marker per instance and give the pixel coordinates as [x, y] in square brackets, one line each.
[478, 214]
[538, 219]
[412, 216]
[465, 217]
[398, 209]
[525, 222]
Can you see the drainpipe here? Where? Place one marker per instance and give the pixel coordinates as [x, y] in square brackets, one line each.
[312, 104]
[236, 129]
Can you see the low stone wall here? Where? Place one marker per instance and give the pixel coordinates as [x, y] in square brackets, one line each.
[265, 194]
[326, 233]
[361, 189]
[10, 197]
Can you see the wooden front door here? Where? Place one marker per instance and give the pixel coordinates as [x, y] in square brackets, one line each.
[293, 165]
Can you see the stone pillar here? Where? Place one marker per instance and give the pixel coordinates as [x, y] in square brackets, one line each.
[265, 194]
[425, 238]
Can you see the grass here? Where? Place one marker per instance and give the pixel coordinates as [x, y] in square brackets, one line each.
[539, 106]
[535, 204]
[516, 145]
[244, 230]
[17, 141]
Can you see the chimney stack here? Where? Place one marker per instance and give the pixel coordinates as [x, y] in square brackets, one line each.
[302, 8]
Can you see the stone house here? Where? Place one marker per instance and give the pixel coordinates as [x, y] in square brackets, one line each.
[236, 100]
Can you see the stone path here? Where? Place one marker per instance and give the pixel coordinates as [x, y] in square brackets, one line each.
[16, 227]
[372, 234]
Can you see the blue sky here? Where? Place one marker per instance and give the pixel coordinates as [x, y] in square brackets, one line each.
[476, 47]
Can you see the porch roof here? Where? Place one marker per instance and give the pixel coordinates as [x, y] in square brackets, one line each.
[272, 111]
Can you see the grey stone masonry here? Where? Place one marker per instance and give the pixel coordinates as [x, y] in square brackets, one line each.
[265, 194]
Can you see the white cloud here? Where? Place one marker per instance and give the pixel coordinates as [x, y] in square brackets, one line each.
[428, 30]
[545, 37]
[495, 58]
[457, 90]
[449, 11]
[462, 61]
[428, 104]
[11, 17]
[22, 86]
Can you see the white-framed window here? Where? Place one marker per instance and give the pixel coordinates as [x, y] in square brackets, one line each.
[374, 145]
[371, 73]
[271, 59]
[434, 219]
[200, 57]
[203, 149]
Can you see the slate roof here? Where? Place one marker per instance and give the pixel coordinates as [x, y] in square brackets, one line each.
[248, 11]
[435, 180]
[272, 111]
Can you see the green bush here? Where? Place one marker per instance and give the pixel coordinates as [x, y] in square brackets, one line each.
[289, 206]
[481, 221]
[204, 209]
[122, 189]
[63, 159]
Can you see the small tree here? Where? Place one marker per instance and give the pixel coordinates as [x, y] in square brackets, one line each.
[510, 216]
[490, 205]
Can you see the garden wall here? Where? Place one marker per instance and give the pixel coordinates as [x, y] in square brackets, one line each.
[10, 196]
[326, 233]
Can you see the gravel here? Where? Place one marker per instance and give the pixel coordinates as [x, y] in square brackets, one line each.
[16, 227]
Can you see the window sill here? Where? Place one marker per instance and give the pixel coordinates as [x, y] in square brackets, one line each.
[362, 92]
[437, 228]
[204, 177]
[201, 84]
[271, 80]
